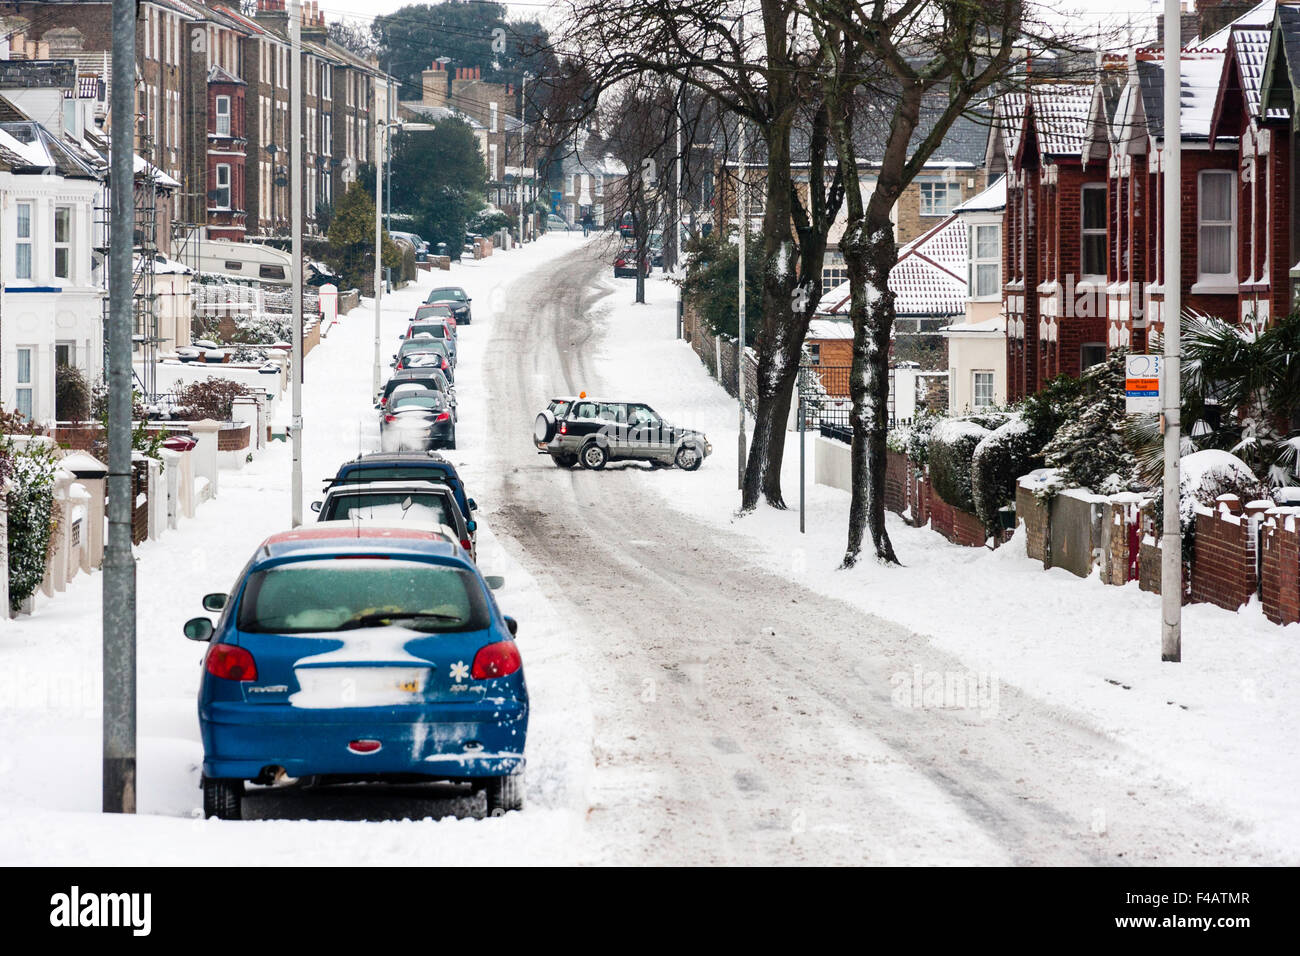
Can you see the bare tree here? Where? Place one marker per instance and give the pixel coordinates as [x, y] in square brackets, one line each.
[901, 73]
[764, 82]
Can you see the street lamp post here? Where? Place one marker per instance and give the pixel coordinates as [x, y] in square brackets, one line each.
[740, 349]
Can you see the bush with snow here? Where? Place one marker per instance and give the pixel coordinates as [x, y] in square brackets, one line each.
[999, 460]
[29, 470]
[952, 447]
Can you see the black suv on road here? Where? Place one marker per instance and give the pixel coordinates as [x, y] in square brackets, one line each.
[592, 433]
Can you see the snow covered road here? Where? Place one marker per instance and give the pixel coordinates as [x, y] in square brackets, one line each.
[739, 717]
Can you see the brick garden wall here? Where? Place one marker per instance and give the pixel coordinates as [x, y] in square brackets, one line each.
[1223, 568]
[1280, 569]
[234, 438]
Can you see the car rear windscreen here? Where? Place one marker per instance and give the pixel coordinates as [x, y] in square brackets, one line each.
[341, 594]
[388, 506]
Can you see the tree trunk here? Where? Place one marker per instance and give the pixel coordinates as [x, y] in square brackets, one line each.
[869, 256]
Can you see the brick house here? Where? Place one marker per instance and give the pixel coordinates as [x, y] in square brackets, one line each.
[1280, 91]
[1258, 135]
[226, 155]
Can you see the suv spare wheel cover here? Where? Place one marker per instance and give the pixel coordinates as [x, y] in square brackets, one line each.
[544, 427]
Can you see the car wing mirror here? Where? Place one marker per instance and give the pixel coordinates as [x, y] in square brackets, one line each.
[512, 626]
[316, 506]
[471, 525]
[198, 629]
[473, 505]
[495, 581]
[215, 602]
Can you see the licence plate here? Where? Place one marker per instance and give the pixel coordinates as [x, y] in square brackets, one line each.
[336, 687]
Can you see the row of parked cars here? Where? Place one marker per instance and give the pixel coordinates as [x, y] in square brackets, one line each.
[369, 647]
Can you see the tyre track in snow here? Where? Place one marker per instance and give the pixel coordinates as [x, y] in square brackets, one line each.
[741, 718]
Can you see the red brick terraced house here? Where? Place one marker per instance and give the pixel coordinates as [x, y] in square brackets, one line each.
[1054, 235]
[1259, 137]
[227, 155]
[1082, 241]
[1280, 91]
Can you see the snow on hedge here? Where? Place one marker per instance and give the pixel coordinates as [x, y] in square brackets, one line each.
[1000, 458]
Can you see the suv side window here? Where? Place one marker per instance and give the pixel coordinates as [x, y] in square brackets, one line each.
[560, 409]
[613, 412]
[586, 410]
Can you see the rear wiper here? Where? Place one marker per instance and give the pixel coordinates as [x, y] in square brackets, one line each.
[385, 617]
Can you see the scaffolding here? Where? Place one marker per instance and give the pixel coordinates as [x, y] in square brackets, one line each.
[144, 298]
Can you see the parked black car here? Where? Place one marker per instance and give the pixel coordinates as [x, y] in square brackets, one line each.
[454, 297]
[417, 421]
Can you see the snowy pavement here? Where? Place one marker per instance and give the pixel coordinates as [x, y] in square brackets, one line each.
[50, 671]
[704, 689]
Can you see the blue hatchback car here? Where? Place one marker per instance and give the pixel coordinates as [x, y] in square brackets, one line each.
[360, 654]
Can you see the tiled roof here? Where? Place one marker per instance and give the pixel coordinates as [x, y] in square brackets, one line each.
[963, 145]
[1251, 47]
[47, 74]
[1288, 21]
[1061, 117]
[928, 279]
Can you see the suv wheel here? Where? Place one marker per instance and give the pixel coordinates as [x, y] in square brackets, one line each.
[688, 458]
[594, 456]
[544, 427]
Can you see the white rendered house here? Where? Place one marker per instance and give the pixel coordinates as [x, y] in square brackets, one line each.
[51, 309]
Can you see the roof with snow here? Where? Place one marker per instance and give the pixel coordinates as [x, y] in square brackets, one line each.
[824, 329]
[219, 74]
[993, 199]
[1243, 74]
[994, 326]
[1058, 114]
[929, 278]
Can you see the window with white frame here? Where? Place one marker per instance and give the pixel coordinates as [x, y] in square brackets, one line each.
[223, 115]
[24, 384]
[600, 185]
[982, 388]
[23, 241]
[1092, 231]
[939, 198]
[492, 117]
[63, 242]
[568, 190]
[65, 354]
[834, 271]
[815, 354]
[221, 199]
[985, 260]
[492, 161]
[1216, 252]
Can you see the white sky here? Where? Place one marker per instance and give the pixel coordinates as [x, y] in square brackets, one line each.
[1110, 12]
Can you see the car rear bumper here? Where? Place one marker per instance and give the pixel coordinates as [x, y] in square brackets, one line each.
[442, 741]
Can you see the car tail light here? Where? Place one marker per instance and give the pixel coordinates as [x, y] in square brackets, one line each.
[466, 543]
[230, 663]
[443, 417]
[496, 660]
[620, 262]
[390, 419]
[564, 428]
[365, 746]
